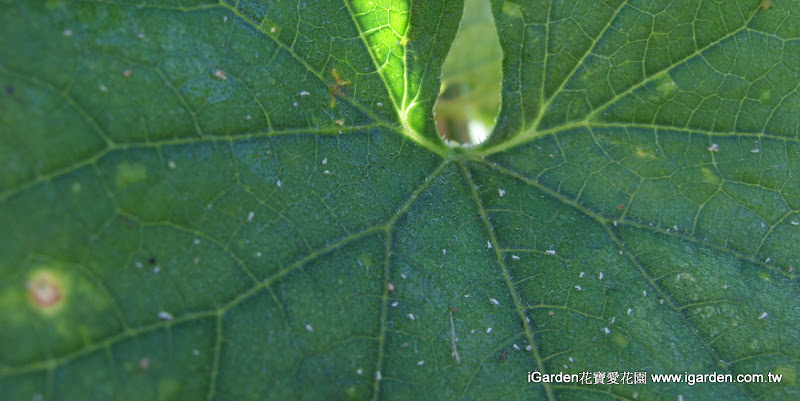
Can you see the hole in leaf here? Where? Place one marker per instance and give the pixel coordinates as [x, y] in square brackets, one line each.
[469, 98]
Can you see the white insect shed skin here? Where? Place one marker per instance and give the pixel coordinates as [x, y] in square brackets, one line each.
[165, 315]
[494, 301]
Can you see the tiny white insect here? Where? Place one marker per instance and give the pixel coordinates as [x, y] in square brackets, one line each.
[644, 293]
[195, 352]
[67, 33]
[380, 104]
[444, 251]
[515, 257]
[763, 316]
[138, 265]
[403, 276]
[394, 304]
[220, 75]
[420, 363]
[224, 18]
[600, 276]
[795, 223]
[325, 161]
[102, 88]
[247, 117]
[577, 287]
[502, 192]
[272, 30]
[196, 241]
[755, 150]
[359, 371]
[309, 328]
[494, 301]
[581, 275]
[305, 93]
[516, 347]
[768, 260]
[713, 148]
[606, 330]
[326, 172]
[630, 311]
[571, 360]
[165, 315]
[279, 183]
[156, 269]
[528, 348]
[550, 252]
[171, 164]
[489, 244]
[489, 330]
[140, 36]
[378, 376]
[410, 316]
[251, 216]
[615, 223]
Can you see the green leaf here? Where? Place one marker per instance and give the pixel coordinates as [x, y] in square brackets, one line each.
[250, 200]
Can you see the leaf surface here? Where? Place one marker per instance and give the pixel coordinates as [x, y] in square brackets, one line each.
[250, 200]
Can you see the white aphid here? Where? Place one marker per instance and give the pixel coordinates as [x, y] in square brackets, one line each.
[502, 192]
[326, 172]
[102, 88]
[220, 75]
[489, 330]
[67, 33]
[325, 161]
[755, 150]
[529, 348]
[515, 257]
[550, 252]
[403, 276]
[394, 304]
[763, 316]
[581, 275]
[600, 276]
[410, 316]
[378, 376]
[606, 330]
[577, 287]
[494, 301]
[489, 244]
[305, 93]
[165, 315]
[309, 328]
[138, 265]
[444, 251]
[359, 371]
[279, 183]
[420, 363]
[516, 347]
[196, 241]
[713, 148]
[630, 311]
[251, 216]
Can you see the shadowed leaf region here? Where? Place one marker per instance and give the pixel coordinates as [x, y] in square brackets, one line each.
[249, 200]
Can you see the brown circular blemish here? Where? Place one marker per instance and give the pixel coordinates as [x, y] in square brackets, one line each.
[46, 291]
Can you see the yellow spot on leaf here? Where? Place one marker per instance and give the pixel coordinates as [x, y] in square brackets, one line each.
[46, 291]
[512, 10]
[788, 374]
[128, 174]
[644, 154]
[709, 176]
